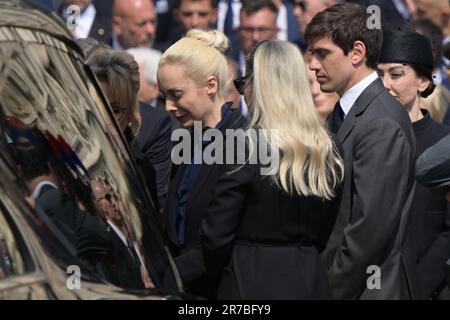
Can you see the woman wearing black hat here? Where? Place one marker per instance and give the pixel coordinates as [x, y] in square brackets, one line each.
[405, 66]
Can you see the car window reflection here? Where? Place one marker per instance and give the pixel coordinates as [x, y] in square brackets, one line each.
[62, 149]
[11, 263]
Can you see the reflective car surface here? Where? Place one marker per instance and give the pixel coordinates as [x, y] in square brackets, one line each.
[76, 221]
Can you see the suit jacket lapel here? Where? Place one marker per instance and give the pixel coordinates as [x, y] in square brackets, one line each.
[363, 101]
[201, 179]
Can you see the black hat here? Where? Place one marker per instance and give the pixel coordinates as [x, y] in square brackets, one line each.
[407, 47]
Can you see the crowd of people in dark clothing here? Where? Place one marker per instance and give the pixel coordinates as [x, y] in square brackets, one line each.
[359, 111]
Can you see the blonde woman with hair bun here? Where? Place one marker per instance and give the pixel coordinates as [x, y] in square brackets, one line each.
[264, 234]
[193, 78]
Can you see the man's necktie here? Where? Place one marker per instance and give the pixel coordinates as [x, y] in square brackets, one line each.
[338, 117]
[228, 23]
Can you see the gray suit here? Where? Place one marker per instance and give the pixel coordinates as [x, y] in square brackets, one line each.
[379, 146]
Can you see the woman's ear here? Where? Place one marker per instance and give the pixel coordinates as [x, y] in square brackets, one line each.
[424, 83]
[212, 86]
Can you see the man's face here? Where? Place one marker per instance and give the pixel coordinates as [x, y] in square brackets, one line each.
[305, 10]
[137, 25]
[256, 27]
[196, 14]
[333, 69]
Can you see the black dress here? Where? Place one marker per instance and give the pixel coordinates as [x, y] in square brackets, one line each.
[430, 224]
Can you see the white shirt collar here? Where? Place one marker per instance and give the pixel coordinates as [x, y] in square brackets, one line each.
[124, 240]
[118, 232]
[84, 22]
[37, 191]
[242, 62]
[350, 96]
[282, 23]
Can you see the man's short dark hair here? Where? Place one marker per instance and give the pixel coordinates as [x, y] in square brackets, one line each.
[346, 23]
[250, 7]
[177, 3]
[32, 160]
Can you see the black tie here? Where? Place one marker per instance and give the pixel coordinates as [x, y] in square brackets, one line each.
[338, 117]
[228, 23]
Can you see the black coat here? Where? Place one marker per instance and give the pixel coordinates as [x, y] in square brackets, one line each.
[429, 231]
[155, 144]
[379, 185]
[433, 171]
[266, 243]
[189, 258]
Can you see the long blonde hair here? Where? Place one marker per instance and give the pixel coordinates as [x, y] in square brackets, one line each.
[202, 55]
[281, 99]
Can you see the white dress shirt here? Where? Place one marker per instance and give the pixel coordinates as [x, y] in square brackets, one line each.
[84, 22]
[282, 23]
[350, 96]
[37, 191]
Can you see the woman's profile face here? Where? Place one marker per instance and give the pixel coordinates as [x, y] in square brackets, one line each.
[123, 114]
[402, 82]
[323, 101]
[185, 99]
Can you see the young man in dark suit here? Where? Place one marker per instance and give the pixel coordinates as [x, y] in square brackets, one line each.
[364, 253]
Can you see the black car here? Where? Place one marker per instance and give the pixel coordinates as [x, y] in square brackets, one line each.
[76, 221]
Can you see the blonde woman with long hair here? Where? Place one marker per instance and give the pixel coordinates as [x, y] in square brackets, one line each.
[264, 234]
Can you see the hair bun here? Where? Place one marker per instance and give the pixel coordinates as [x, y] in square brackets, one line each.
[213, 38]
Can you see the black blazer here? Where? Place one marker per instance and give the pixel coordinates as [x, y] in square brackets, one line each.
[433, 171]
[266, 243]
[189, 258]
[155, 144]
[378, 189]
[429, 230]
[433, 166]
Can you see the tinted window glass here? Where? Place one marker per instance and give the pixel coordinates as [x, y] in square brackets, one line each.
[59, 144]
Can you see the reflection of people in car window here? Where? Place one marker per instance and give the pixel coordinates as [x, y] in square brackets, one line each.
[107, 205]
[91, 238]
[44, 186]
[110, 208]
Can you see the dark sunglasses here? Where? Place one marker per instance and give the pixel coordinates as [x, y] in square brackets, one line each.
[240, 84]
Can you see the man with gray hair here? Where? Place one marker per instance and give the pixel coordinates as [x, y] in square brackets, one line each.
[134, 24]
[147, 60]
